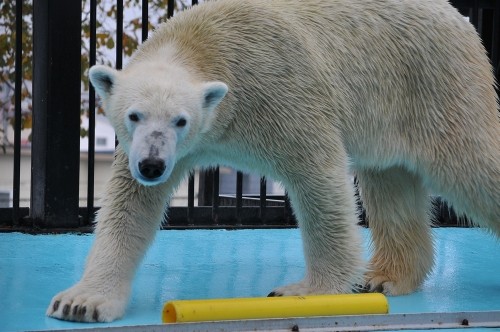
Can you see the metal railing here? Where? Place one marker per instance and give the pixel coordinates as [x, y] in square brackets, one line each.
[54, 203]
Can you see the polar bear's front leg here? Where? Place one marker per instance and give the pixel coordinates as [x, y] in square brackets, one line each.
[126, 225]
[325, 209]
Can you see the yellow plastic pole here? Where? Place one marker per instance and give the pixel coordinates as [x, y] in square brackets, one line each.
[274, 307]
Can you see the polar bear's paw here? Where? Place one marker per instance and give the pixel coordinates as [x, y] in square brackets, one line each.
[291, 290]
[303, 288]
[85, 304]
[381, 283]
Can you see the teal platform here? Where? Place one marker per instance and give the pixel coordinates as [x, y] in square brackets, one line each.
[218, 263]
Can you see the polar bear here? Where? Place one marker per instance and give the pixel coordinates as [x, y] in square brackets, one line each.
[304, 92]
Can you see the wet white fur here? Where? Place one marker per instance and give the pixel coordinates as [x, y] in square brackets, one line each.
[398, 91]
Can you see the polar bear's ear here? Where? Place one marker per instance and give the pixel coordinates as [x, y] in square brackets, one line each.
[213, 93]
[103, 78]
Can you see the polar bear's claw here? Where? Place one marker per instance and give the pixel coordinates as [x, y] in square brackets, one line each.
[374, 288]
[381, 283]
[359, 288]
[297, 289]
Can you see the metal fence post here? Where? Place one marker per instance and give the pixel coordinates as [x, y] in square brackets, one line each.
[495, 47]
[56, 113]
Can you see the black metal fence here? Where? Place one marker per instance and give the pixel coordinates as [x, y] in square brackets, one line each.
[55, 150]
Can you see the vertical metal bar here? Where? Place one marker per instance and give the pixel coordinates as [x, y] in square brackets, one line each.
[17, 115]
[215, 198]
[495, 42]
[286, 214]
[263, 199]
[119, 34]
[486, 23]
[474, 17]
[170, 8]
[91, 132]
[480, 21]
[239, 196]
[205, 188]
[190, 208]
[119, 40]
[56, 113]
[145, 20]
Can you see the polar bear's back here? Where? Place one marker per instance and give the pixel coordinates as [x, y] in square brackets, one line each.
[369, 66]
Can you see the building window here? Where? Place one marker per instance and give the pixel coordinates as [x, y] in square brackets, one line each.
[101, 141]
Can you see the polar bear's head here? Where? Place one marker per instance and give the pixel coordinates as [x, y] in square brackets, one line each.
[158, 114]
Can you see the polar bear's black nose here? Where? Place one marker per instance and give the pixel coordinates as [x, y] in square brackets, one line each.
[151, 168]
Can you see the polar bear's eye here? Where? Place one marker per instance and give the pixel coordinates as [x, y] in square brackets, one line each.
[133, 117]
[181, 122]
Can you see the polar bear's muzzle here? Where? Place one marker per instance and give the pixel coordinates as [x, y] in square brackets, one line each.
[152, 155]
[152, 168]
